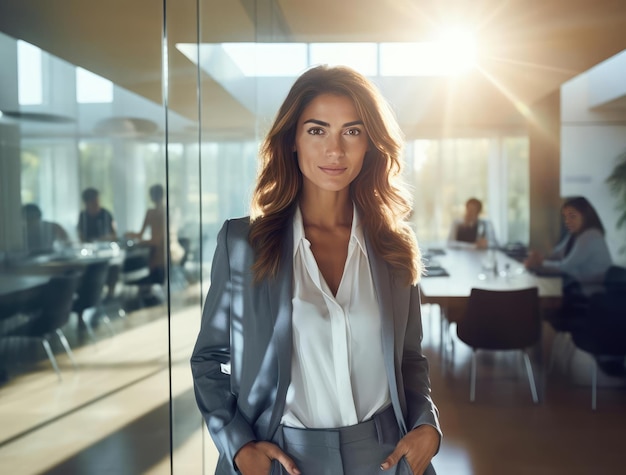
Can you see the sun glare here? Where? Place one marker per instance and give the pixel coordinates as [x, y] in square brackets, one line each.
[457, 48]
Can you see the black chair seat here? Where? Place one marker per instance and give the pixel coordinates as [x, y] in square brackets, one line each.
[603, 333]
[56, 301]
[501, 320]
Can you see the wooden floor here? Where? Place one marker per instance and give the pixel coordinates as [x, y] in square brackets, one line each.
[112, 415]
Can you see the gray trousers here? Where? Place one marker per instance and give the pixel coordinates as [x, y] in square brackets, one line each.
[353, 450]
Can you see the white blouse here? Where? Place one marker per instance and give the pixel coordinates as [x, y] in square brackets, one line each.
[338, 376]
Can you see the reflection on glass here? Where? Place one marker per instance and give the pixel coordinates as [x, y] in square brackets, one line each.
[91, 88]
[65, 129]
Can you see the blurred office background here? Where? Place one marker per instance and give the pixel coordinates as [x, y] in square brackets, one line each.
[520, 105]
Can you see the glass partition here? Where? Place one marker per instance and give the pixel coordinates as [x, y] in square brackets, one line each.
[92, 282]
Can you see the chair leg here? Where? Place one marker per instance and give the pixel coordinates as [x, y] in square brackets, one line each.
[531, 378]
[46, 346]
[66, 345]
[473, 377]
[594, 384]
[107, 321]
[85, 317]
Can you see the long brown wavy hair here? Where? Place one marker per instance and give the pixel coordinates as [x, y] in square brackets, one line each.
[378, 191]
[585, 208]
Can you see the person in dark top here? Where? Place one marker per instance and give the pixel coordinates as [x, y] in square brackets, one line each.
[40, 235]
[95, 223]
[472, 231]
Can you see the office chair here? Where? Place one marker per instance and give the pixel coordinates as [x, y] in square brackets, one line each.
[135, 275]
[89, 294]
[603, 335]
[501, 320]
[571, 315]
[56, 301]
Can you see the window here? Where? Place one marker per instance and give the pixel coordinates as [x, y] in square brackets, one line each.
[29, 73]
[515, 152]
[444, 173]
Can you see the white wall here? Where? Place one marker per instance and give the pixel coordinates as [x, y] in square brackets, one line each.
[591, 139]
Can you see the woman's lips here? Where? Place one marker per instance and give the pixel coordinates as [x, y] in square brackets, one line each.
[333, 171]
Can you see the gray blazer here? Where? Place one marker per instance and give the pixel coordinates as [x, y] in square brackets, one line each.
[249, 326]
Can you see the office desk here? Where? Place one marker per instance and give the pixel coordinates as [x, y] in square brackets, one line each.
[75, 258]
[466, 271]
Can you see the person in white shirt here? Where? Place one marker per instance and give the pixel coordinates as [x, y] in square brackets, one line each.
[309, 355]
[472, 232]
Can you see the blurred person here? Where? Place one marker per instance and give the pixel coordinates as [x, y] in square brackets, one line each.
[472, 231]
[309, 355]
[41, 236]
[94, 222]
[583, 254]
[155, 221]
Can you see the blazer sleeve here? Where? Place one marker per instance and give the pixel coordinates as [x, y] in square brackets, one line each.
[415, 371]
[210, 361]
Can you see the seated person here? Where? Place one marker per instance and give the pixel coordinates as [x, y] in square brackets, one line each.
[472, 232]
[582, 254]
[39, 235]
[95, 223]
[155, 221]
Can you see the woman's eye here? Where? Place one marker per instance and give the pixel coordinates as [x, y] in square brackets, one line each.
[315, 131]
[353, 132]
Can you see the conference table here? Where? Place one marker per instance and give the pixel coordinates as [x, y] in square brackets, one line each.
[452, 273]
[22, 277]
[76, 257]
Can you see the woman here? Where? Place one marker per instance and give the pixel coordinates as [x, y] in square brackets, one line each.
[583, 254]
[308, 359]
[472, 232]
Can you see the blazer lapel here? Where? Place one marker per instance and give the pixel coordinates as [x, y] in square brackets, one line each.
[280, 301]
[384, 291]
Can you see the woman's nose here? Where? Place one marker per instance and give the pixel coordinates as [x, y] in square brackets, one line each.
[334, 146]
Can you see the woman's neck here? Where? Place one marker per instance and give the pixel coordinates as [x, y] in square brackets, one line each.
[327, 210]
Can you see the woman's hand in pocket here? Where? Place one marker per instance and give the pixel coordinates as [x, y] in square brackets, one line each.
[419, 446]
[255, 458]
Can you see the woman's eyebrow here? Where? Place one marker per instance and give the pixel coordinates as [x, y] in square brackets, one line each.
[326, 124]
